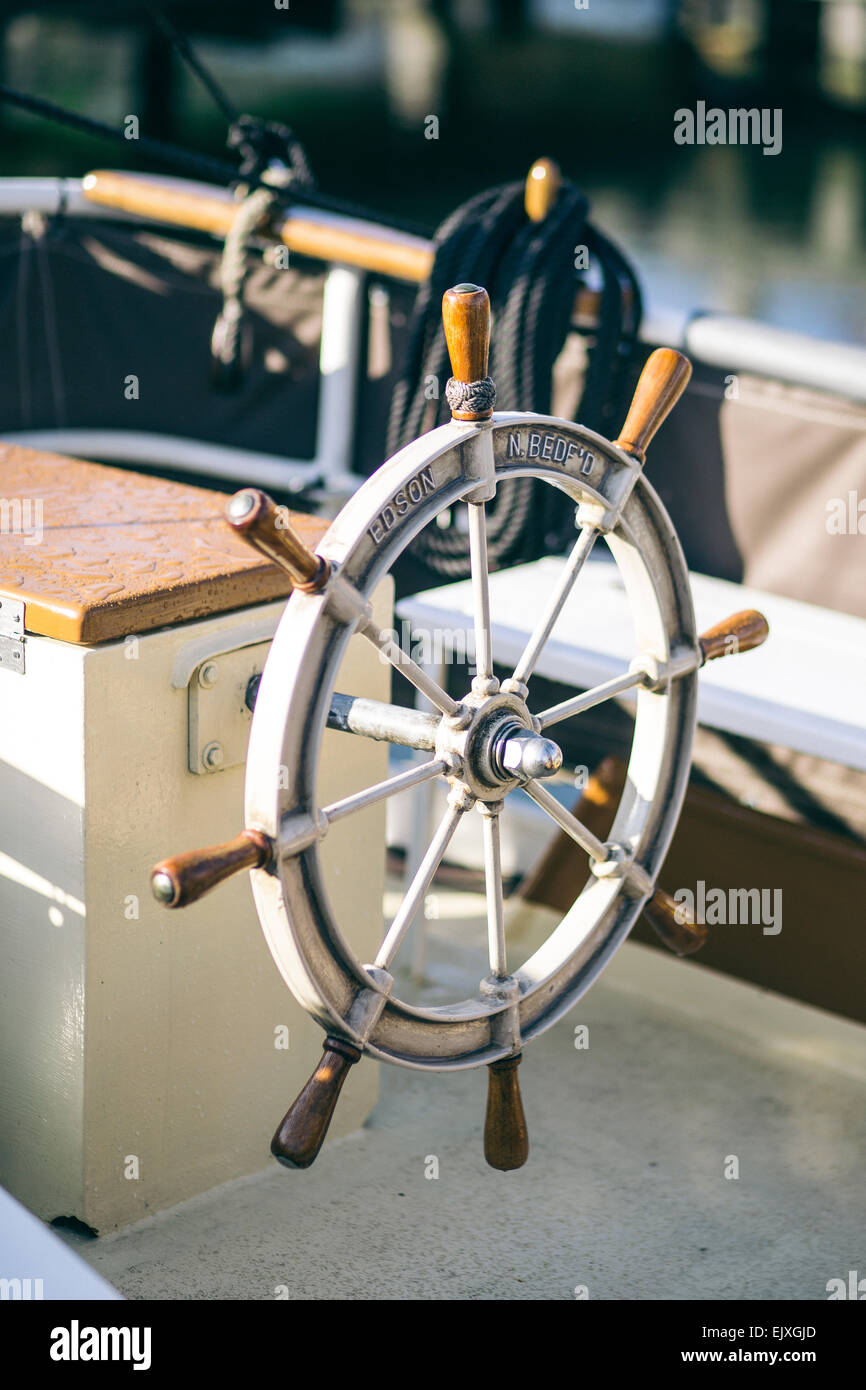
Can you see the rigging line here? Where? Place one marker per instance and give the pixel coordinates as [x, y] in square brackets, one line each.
[204, 166]
[219, 169]
[186, 51]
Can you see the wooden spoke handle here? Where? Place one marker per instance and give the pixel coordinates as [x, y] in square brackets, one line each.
[543, 183]
[466, 319]
[673, 925]
[256, 516]
[506, 1139]
[185, 878]
[302, 1131]
[739, 633]
[662, 382]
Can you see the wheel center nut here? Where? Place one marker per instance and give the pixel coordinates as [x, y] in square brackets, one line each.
[523, 754]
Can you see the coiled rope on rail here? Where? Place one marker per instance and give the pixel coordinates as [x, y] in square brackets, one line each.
[530, 271]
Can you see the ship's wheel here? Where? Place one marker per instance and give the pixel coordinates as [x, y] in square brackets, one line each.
[485, 743]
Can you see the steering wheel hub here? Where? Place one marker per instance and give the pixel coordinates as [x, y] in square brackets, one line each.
[493, 745]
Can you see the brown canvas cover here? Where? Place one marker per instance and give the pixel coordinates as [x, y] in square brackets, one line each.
[763, 481]
[84, 304]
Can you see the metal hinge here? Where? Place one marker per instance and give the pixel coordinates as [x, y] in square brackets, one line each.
[11, 634]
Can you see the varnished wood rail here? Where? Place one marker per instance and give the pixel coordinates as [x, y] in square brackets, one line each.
[324, 236]
[314, 232]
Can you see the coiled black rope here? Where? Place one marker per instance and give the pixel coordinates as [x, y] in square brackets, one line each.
[530, 271]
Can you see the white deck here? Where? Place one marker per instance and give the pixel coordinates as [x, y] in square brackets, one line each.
[803, 689]
[624, 1190]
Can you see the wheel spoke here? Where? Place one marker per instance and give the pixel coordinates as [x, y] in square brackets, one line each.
[493, 885]
[545, 625]
[401, 661]
[566, 821]
[480, 590]
[425, 772]
[417, 890]
[595, 696]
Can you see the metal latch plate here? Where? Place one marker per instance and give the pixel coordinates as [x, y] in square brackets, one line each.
[219, 717]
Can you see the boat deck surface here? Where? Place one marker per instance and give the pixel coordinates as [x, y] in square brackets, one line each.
[624, 1193]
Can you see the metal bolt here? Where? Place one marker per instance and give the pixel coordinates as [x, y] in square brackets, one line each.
[213, 756]
[162, 888]
[527, 755]
[208, 675]
[241, 504]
